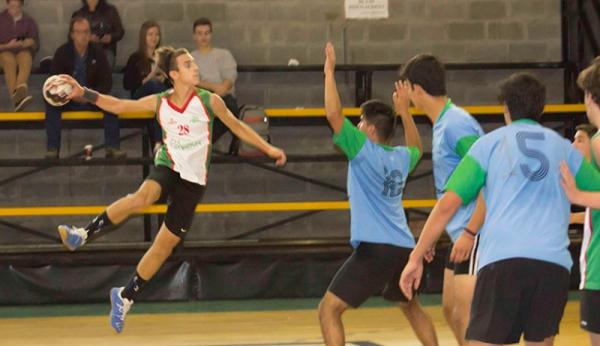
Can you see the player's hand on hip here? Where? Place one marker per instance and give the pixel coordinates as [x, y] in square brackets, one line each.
[462, 248]
[411, 277]
[278, 155]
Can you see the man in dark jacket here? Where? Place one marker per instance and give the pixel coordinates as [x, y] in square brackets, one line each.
[87, 63]
[106, 25]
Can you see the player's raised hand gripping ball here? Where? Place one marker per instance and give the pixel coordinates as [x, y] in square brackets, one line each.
[56, 91]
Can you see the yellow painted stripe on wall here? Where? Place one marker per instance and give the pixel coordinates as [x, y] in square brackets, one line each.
[278, 113]
[202, 208]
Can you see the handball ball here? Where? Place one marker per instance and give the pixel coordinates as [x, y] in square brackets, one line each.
[56, 93]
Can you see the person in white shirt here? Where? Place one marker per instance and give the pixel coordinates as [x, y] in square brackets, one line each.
[218, 70]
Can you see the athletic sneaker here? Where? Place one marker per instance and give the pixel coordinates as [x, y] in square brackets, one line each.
[119, 307]
[72, 237]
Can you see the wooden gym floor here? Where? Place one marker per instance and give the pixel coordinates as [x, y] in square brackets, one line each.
[258, 322]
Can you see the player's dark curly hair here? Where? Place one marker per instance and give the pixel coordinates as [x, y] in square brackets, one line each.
[427, 71]
[167, 59]
[589, 80]
[524, 96]
[382, 116]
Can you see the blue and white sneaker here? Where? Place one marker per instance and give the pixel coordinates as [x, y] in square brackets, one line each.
[72, 237]
[119, 307]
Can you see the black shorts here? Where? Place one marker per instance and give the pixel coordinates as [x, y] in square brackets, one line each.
[371, 268]
[590, 311]
[518, 296]
[182, 198]
[468, 267]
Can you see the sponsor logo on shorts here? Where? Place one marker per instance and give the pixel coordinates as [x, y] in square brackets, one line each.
[183, 230]
[584, 323]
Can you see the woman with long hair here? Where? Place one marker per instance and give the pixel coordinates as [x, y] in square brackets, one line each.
[141, 75]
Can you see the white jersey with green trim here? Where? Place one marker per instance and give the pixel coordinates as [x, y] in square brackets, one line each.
[585, 244]
[187, 133]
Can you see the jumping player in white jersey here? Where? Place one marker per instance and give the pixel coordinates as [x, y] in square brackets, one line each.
[185, 114]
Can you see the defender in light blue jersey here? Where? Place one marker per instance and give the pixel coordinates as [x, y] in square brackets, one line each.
[380, 235]
[523, 277]
[377, 176]
[454, 132]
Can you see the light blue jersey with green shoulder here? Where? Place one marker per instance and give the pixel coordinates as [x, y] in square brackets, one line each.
[527, 211]
[454, 132]
[376, 179]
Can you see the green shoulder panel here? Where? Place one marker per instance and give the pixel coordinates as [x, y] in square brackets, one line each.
[415, 155]
[467, 180]
[350, 139]
[205, 98]
[464, 144]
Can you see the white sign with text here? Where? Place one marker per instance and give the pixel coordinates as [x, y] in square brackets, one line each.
[366, 9]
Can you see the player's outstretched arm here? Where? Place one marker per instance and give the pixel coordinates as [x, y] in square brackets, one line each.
[434, 227]
[401, 106]
[244, 132]
[109, 103]
[333, 105]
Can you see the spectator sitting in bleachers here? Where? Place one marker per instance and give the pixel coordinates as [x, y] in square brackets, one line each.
[218, 71]
[141, 75]
[87, 63]
[19, 40]
[106, 25]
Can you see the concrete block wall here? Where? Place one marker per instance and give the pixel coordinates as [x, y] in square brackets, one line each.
[271, 32]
